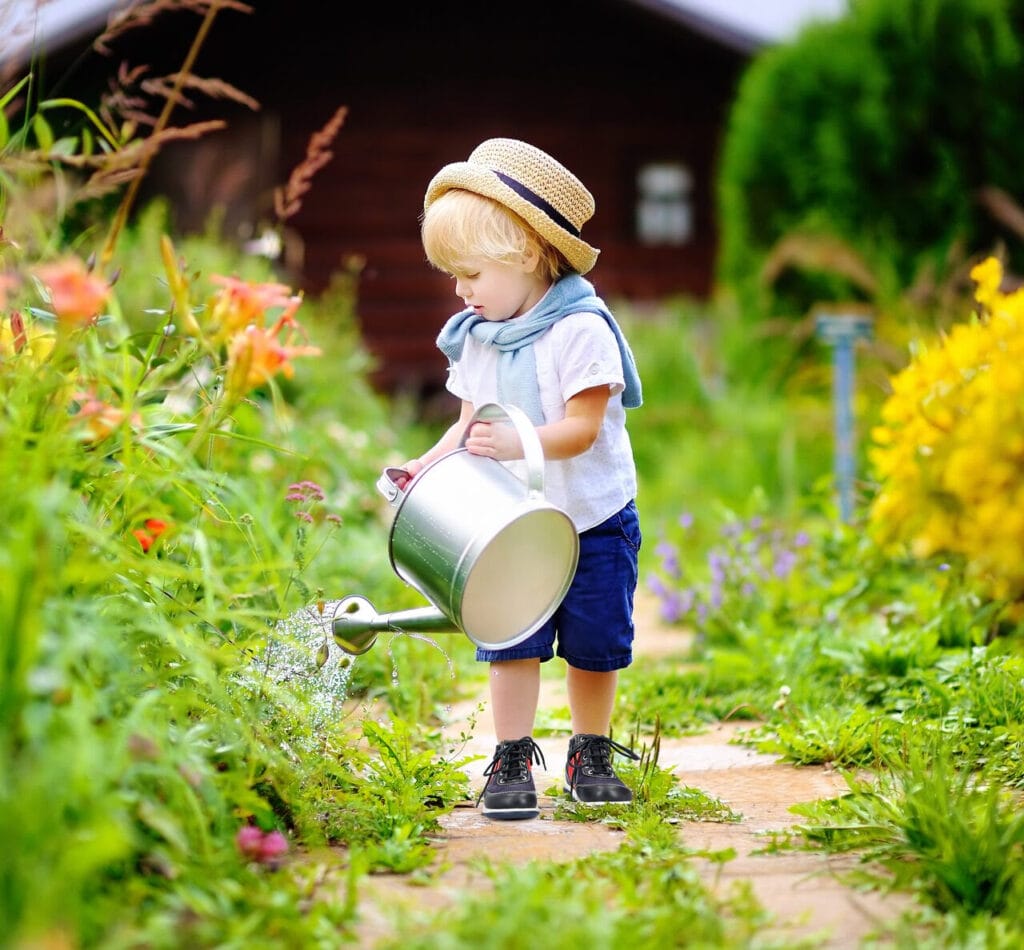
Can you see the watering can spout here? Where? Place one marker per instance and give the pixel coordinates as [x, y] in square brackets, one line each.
[357, 623]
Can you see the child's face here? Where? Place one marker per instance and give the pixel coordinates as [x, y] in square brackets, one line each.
[497, 290]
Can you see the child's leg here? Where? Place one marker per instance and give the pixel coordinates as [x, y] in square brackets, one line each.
[515, 689]
[510, 792]
[591, 698]
[589, 776]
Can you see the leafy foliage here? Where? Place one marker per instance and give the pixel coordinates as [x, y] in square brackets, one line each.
[895, 174]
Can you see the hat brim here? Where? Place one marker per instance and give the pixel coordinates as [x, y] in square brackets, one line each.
[482, 181]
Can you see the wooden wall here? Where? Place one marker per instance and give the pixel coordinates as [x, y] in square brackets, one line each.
[603, 85]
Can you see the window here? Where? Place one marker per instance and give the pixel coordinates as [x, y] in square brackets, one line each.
[664, 211]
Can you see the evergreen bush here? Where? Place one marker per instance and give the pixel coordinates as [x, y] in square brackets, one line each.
[883, 131]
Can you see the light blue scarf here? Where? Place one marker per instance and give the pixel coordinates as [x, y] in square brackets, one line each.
[514, 338]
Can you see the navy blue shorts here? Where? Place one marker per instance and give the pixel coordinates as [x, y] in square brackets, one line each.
[594, 623]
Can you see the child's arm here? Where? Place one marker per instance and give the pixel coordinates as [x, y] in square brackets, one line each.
[564, 439]
[447, 442]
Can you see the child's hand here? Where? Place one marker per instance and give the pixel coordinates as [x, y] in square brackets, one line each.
[496, 440]
[408, 472]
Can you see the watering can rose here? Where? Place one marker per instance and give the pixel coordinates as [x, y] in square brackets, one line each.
[950, 450]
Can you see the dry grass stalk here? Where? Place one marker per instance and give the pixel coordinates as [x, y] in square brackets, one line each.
[138, 15]
[173, 86]
[288, 200]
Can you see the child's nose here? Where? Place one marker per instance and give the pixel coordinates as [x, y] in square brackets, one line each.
[461, 288]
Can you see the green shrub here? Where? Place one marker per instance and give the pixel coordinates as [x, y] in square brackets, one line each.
[879, 130]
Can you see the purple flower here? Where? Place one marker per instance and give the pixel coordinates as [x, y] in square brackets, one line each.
[785, 561]
[669, 558]
[671, 609]
[657, 586]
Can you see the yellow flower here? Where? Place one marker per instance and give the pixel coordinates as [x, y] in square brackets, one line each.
[26, 339]
[949, 454]
[988, 275]
[179, 287]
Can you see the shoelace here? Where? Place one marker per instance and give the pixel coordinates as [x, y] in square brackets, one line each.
[512, 760]
[595, 756]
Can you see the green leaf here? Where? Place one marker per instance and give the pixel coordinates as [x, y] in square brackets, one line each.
[164, 823]
[43, 132]
[66, 146]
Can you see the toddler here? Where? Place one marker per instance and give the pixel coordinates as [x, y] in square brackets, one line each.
[505, 224]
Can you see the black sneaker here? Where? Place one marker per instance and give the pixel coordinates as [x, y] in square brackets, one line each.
[589, 777]
[510, 793]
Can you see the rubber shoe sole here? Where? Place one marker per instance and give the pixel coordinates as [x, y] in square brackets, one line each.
[509, 814]
[509, 806]
[626, 796]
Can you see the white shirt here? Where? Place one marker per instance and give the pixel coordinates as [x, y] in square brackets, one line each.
[578, 352]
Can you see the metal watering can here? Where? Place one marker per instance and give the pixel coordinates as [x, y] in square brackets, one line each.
[492, 556]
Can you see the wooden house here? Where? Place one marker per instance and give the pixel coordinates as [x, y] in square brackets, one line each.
[632, 95]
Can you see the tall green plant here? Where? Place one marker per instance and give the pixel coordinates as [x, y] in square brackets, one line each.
[162, 503]
[880, 129]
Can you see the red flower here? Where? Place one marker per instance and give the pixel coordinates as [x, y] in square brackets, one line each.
[148, 535]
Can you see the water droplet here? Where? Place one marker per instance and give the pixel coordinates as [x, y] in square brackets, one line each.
[301, 652]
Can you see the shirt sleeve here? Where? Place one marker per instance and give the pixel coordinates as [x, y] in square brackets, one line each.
[587, 355]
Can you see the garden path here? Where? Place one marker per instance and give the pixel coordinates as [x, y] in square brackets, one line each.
[801, 890]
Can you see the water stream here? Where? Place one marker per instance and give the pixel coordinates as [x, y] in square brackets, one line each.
[302, 654]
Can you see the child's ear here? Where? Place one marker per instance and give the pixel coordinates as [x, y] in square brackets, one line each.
[531, 258]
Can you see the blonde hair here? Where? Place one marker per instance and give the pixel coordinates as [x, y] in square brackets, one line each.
[461, 224]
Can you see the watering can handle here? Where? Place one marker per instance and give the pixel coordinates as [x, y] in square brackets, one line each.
[532, 451]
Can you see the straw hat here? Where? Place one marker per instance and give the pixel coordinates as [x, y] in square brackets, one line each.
[531, 183]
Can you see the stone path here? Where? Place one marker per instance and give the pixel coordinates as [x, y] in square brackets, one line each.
[801, 890]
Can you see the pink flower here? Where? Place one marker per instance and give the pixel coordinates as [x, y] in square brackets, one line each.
[249, 841]
[263, 847]
[273, 847]
[99, 419]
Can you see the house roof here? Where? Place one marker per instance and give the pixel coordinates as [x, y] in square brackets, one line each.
[742, 25]
[747, 25]
[26, 25]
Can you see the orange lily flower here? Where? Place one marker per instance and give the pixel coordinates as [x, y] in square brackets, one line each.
[241, 303]
[99, 418]
[76, 294]
[256, 355]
